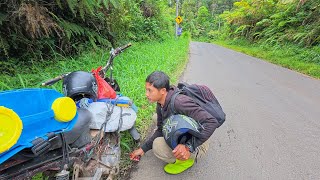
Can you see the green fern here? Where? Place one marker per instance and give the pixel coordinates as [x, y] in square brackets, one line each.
[75, 30]
[282, 24]
[312, 37]
[72, 5]
[90, 7]
[3, 17]
[106, 3]
[264, 23]
[93, 41]
[71, 29]
[298, 36]
[87, 7]
[242, 29]
[257, 35]
[59, 4]
[4, 45]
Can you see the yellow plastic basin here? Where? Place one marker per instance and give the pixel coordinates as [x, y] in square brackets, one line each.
[10, 128]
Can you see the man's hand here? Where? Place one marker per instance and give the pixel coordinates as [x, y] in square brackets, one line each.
[136, 154]
[181, 152]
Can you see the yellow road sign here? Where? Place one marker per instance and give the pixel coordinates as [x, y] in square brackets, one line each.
[179, 19]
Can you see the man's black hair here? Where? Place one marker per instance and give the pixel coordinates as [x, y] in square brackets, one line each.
[159, 80]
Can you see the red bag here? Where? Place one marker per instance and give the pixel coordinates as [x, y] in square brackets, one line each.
[104, 89]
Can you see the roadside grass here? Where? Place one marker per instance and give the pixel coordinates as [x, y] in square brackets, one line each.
[130, 70]
[303, 60]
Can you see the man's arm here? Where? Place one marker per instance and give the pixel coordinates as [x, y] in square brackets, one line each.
[158, 133]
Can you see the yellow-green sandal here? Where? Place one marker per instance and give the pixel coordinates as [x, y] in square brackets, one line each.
[179, 166]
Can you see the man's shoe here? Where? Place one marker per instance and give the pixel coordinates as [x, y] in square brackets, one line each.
[179, 166]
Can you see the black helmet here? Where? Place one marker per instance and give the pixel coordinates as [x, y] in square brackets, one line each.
[178, 129]
[80, 84]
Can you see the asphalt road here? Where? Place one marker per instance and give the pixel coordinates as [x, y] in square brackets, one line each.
[272, 129]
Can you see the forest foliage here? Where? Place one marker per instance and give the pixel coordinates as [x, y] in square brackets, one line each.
[32, 30]
[271, 21]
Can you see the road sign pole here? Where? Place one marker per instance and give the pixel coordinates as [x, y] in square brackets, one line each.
[177, 13]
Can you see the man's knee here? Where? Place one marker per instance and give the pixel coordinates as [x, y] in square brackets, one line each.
[162, 151]
[202, 150]
[159, 145]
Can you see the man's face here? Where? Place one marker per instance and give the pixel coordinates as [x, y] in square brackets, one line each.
[153, 94]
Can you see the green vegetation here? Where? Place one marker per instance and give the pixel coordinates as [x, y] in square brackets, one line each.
[284, 32]
[40, 30]
[275, 22]
[34, 31]
[270, 21]
[305, 60]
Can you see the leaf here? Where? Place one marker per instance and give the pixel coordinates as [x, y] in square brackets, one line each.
[92, 41]
[59, 4]
[298, 36]
[115, 3]
[125, 145]
[72, 5]
[3, 17]
[21, 81]
[282, 23]
[4, 85]
[264, 22]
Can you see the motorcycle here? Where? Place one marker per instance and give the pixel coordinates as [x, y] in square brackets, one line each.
[86, 146]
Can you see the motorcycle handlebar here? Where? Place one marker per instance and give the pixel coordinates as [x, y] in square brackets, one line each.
[120, 49]
[126, 46]
[54, 80]
[113, 54]
[58, 78]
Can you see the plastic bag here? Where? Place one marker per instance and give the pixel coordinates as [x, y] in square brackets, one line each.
[99, 112]
[104, 89]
